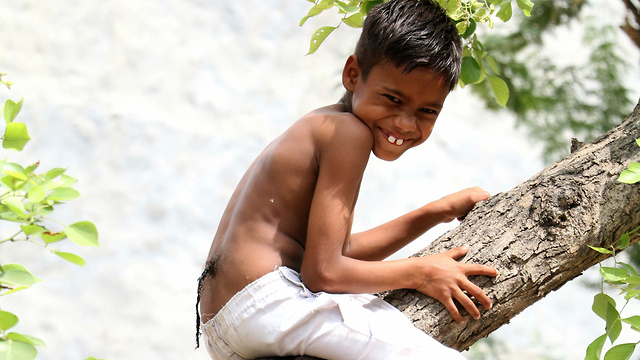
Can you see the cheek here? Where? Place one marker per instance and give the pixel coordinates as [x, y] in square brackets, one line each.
[426, 129]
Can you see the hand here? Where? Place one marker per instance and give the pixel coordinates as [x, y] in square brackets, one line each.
[446, 279]
[458, 205]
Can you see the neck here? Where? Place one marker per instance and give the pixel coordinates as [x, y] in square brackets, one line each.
[346, 101]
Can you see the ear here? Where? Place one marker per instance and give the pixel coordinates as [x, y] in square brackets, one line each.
[351, 73]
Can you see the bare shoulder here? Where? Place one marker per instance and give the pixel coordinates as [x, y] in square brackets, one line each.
[331, 126]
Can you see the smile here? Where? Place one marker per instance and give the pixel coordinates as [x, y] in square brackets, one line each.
[392, 139]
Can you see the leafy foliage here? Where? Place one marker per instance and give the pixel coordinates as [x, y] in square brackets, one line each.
[27, 200]
[477, 65]
[626, 279]
[554, 102]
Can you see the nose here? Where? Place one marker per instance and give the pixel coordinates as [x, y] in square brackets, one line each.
[405, 122]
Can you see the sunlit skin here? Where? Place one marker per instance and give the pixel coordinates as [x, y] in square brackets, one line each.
[294, 205]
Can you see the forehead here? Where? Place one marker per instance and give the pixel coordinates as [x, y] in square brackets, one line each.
[420, 84]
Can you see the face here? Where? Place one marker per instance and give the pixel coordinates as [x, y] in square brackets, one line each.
[400, 109]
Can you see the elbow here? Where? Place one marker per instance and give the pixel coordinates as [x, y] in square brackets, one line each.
[320, 279]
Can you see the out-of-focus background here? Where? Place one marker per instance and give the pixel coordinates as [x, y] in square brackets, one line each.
[158, 107]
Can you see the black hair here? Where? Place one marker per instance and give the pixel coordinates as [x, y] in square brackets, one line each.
[209, 271]
[411, 34]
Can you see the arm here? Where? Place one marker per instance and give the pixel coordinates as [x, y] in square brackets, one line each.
[342, 159]
[382, 241]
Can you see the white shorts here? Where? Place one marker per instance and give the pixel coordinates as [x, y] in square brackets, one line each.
[277, 315]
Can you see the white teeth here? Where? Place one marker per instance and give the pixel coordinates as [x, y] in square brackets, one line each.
[392, 139]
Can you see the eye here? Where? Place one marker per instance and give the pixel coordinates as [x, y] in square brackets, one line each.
[392, 98]
[429, 111]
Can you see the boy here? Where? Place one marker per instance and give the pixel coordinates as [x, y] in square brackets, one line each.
[284, 275]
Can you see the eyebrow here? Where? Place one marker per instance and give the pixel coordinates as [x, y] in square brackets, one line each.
[402, 95]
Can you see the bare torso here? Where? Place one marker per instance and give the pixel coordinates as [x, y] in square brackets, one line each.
[265, 223]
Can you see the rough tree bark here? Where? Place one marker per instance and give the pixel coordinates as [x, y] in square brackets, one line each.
[536, 235]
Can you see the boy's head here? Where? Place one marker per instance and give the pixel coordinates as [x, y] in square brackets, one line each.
[411, 34]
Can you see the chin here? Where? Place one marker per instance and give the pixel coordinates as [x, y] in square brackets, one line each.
[386, 156]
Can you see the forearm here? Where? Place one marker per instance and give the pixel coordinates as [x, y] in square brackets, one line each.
[352, 276]
[384, 240]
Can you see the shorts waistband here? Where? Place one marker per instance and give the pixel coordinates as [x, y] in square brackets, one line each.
[273, 284]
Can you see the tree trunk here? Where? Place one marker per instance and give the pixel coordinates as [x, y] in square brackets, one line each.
[536, 235]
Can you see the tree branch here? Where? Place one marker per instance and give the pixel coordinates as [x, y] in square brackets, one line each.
[536, 235]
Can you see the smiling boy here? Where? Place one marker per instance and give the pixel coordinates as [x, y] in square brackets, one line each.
[284, 274]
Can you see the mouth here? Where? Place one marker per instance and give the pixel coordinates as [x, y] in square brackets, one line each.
[393, 139]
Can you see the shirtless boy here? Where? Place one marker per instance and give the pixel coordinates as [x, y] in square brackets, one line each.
[284, 275]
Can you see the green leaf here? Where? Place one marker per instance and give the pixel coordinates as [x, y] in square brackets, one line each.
[16, 206]
[317, 9]
[600, 302]
[367, 5]
[318, 37]
[631, 293]
[500, 90]
[506, 11]
[25, 338]
[83, 233]
[13, 170]
[36, 194]
[638, 142]
[7, 320]
[64, 181]
[470, 29]
[525, 6]
[17, 275]
[16, 136]
[492, 64]
[613, 275]
[20, 288]
[631, 175]
[624, 241]
[304, 20]
[614, 325]
[63, 194]
[31, 168]
[620, 352]
[53, 173]
[602, 250]
[17, 350]
[32, 229]
[595, 348]
[347, 9]
[50, 237]
[11, 110]
[72, 258]
[354, 21]
[633, 321]
[630, 269]
[471, 71]
[44, 211]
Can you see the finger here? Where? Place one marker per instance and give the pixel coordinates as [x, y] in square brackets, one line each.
[478, 294]
[458, 252]
[477, 269]
[467, 303]
[481, 195]
[451, 307]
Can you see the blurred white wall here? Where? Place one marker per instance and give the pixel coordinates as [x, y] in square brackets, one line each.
[158, 107]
